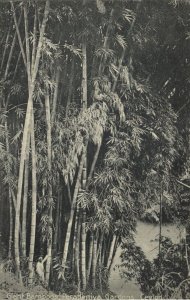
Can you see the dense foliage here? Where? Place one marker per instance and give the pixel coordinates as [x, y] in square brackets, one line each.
[93, 130]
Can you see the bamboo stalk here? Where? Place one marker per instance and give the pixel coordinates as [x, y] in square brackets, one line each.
[84, 74]
[84, 172]
[40, 42]
[99, 259]
[119, 70]
[57, 221]
[5, 48]
[69, 192]
[83, 249]
[17, 63]
[49, 150]
[114, 251]
[90, 255]
[34, 197]
[10, 224]
[55, 96]
[75, 239]
[27, 46]
[186, 252]
[33, 150]
[9, 197]
[99, 252]
[18, 34]
[160, 225]
[83, 231]
[34, 39]
[60, 222]
[94, 261]
[111, 252]
[105, 44]
[24, 141]
[103, 251]
[70, 86]
[94, 161]
[69, 226]
[25, 201]
[12, 48]
[77, 252]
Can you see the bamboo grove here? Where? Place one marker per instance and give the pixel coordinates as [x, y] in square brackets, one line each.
[77, 119]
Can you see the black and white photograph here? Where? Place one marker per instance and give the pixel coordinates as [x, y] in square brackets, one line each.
[94, 149]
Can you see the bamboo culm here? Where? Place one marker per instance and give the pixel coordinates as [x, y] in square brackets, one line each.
[69, 226]
[49, 247]
[34, 197]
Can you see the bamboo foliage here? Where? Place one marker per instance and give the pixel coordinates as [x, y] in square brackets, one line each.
[80, 140]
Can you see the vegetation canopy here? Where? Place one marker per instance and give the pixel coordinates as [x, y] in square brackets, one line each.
[94, 135]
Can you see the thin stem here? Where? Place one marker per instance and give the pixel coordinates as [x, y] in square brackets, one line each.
[34, 197]
[70, 89]
[34, 39]
[12, 48]
[94, 162]
[55, 96]
[186, 252]
[69, 226]
[18, 34]
[160, 230]
[5, 48]
[27, 44]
